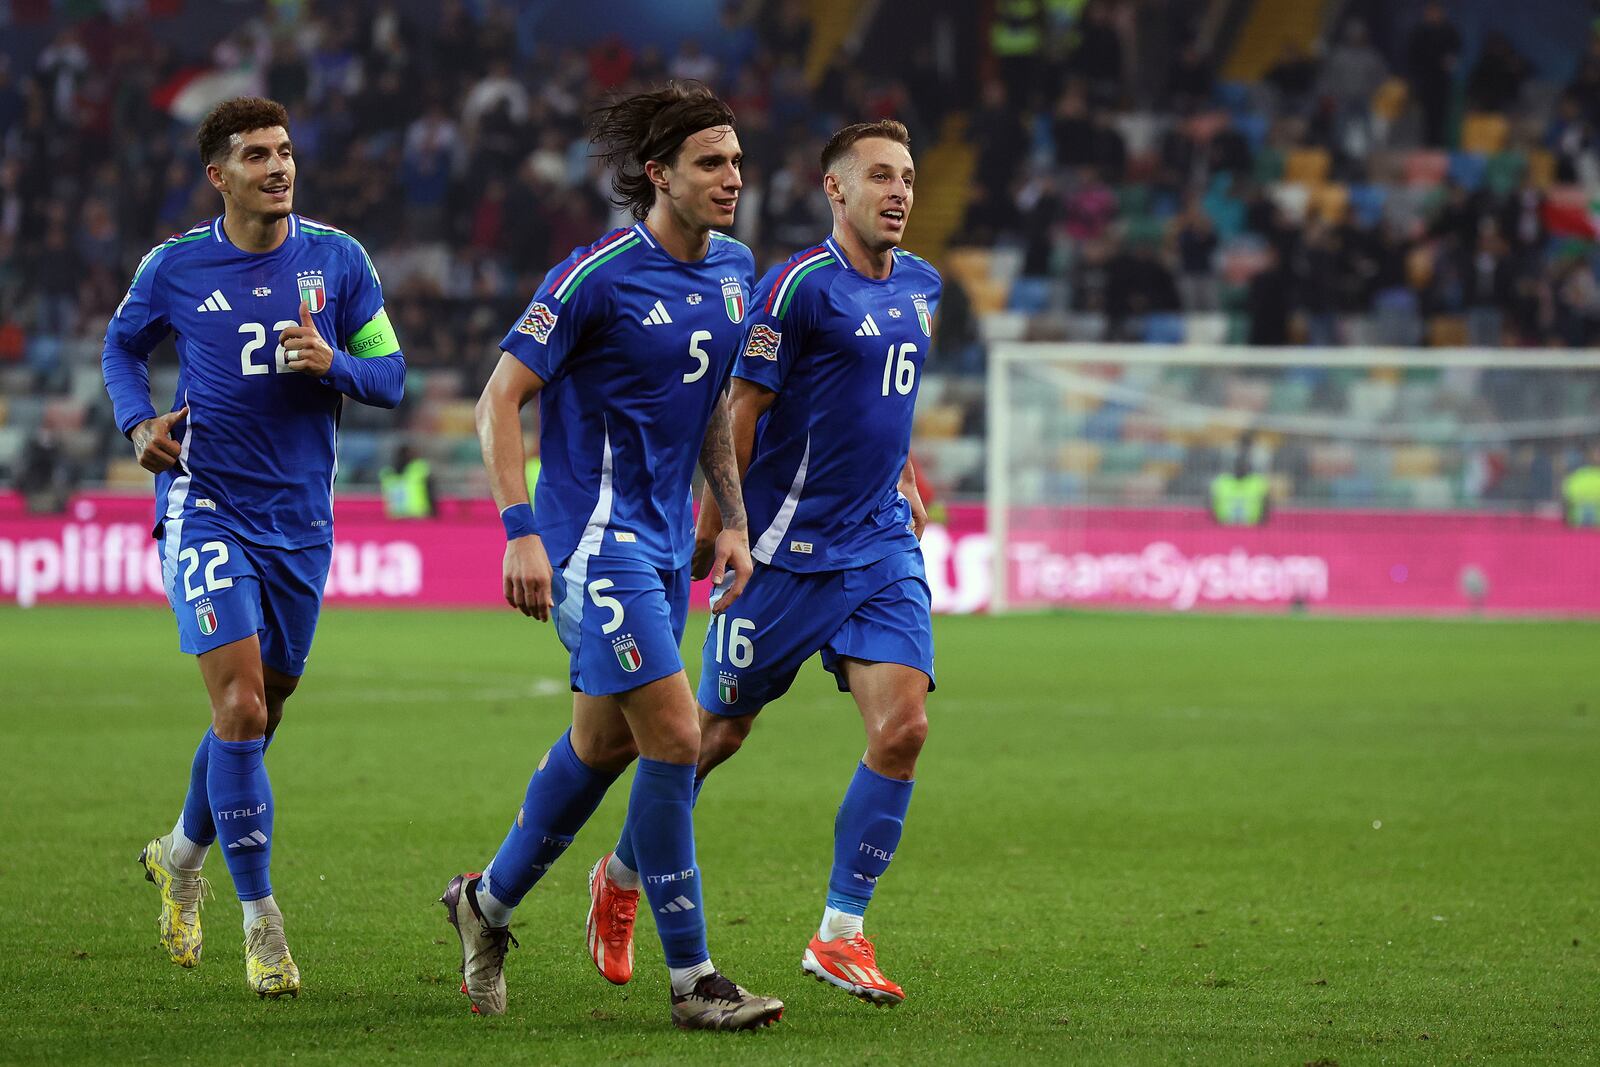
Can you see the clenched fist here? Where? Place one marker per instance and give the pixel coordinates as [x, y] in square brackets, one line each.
[153, 444]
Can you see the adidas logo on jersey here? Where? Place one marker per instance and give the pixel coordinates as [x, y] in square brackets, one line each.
[868, 328]
[215, 302]
[658, 315]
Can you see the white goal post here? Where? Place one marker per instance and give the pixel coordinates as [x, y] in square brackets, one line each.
[1053, 390]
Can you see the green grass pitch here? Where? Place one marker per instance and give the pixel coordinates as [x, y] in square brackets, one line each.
[1134, 840]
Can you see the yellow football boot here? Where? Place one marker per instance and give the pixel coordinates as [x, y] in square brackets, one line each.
[181, 892]
[268, 968]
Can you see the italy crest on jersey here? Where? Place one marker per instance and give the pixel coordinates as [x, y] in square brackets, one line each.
[206, 616]
[925, 320]
[733, 299]
[728, 687]
[627, 650]
[313, 290]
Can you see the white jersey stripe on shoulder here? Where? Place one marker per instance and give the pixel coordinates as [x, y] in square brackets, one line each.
[577, 270]
[794, 272]
[644, 234]
[216, 229]
[772, 539]
[569, 614]
[831, 246]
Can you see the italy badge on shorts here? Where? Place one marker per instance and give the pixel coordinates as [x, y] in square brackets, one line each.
[728, 687]
[313, 290]
[733, 299]
[206, 616]
[627, 651]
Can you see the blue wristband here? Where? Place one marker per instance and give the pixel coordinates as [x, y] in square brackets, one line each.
[518, 521]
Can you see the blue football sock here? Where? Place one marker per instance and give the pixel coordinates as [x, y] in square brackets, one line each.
[625, 839]
[865, 834]
[198, 825]
[660, 811]
[241, 803]
[562, 794]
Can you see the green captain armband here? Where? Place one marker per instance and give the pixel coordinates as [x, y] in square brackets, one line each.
[376, 338]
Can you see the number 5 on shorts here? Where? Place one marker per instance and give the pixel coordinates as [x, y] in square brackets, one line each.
[597, 590]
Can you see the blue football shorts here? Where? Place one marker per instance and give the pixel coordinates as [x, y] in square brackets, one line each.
[621, 619]
[880, 613]
[223, 589]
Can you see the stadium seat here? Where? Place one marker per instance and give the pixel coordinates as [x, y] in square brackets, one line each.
[938, 422]
[1415, 461]
[1389, 100]
[1163, 328]
[1308, 166]
[1330, 201]
[1367, 202]
[63, 414]
[1030, 295]
[1079, 457]
[1541, 168]
[1426, 167]
[1484, 132]
[125, 473]
[1467, 169]
[1447, 331]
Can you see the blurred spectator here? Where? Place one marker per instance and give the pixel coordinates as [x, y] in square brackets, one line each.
[1580, 492]
[1433, 52]
[1497, 77]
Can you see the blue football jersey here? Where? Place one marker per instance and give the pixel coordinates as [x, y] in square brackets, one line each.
[635, 348]
[258, 445]
[844, 353]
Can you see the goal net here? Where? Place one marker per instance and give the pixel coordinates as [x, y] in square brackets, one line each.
[1415, 481]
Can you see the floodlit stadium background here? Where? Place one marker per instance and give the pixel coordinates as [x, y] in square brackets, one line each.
[1216, 825]
[1230, 173]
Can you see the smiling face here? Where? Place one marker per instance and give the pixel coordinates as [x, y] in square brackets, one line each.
[872, 187]
[702, 182]
[256, 176]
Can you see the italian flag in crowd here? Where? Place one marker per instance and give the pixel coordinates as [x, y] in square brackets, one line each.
[1572, 213]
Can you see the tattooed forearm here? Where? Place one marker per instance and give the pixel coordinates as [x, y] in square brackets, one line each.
[721, 468]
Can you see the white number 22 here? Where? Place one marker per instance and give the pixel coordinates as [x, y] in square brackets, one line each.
[190, 558]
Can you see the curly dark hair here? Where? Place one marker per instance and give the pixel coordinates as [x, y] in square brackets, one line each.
[239, 115]
[845, 139]
[633, 130]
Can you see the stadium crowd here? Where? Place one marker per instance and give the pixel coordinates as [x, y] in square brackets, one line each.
[1356, 196]
[1387, 189]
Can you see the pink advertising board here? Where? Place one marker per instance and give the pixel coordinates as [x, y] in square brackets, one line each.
[1156, 559]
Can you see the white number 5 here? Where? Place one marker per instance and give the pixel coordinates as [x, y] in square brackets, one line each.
[699, 354]
[598, 587]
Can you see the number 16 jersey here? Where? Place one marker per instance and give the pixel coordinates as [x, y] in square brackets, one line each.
[844, 352]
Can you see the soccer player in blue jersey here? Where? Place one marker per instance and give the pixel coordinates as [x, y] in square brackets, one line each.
[822, 402]
[277, 320]
[627, 344]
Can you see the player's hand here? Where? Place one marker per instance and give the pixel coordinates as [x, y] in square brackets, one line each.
[528, 578]
[730, 568]
[705, 550]
[304, 350]
[919, 513]
[153, 445]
